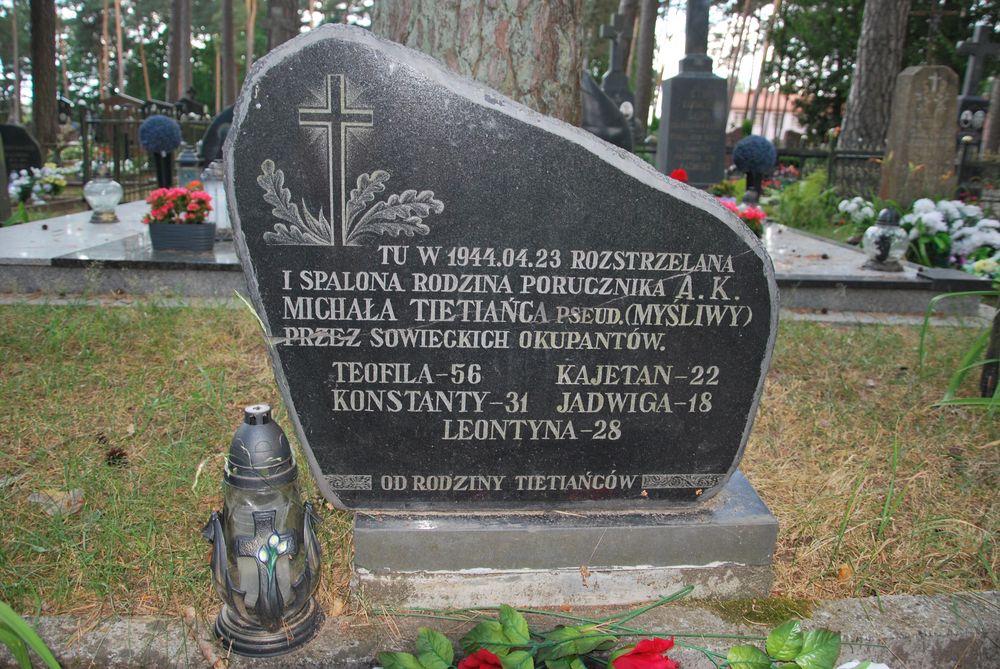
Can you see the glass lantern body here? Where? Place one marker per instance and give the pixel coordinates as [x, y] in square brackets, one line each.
[103, 194]
[264, 540]
[213, 182]
[187, 166]
[885, 245]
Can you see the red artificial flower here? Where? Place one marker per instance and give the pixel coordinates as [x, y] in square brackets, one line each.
[647, 654]
[194, 185]
[753, 214]
[730, 205]
[481, 659]
[680, 174]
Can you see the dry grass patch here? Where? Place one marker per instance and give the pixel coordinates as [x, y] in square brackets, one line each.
[876, 493]
[130, 404]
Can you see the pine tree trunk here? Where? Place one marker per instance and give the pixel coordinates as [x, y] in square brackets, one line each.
[186, 74]
[119, 46]
[251, 30]
[879, 58]
[628, 9]
[283, 21]
[174, 63]
[531, 53]
[227, 61]
[15, 103]
[43, 71]
[644, 61]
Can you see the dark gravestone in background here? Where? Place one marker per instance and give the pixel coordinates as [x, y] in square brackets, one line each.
[473, 306]
[215, 136]
[21, 150]
[601, 115]
[692, 133]
[4, 196]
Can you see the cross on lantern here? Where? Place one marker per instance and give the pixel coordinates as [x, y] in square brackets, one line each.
[263, 530]
[614, 33]
[335, 117]
[978, 49]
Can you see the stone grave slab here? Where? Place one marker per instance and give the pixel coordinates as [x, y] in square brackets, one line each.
[475, 309]
[921, 133]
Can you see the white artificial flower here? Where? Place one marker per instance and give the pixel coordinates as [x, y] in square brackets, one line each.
[933, 221]
[923, 206]
[858, 664]
[971, 211]
[842, 206]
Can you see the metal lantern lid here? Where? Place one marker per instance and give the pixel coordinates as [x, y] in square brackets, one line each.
[888, 217]
[259, 455]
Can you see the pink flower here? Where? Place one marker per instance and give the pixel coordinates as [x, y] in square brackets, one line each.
[753, 214]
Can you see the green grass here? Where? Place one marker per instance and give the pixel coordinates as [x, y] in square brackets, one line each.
[847, 451]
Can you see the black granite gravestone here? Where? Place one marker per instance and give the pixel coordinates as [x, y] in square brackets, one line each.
[601, 116]
[21, 150]
[692, 133]
[469, 304]
[212, 140]
[972, 107]
[615, 82]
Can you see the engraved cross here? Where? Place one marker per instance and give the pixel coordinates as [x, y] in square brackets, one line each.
[263, 531]
[336, 117]
[935, 81]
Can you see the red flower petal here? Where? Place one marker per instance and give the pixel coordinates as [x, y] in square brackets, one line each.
[481, 659]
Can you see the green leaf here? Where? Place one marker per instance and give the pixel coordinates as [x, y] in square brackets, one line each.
[27, 635]
[15, 646]
[433, 649]
[785, 641]
[487, 634]
[515, 627]
[519, 659]
[748, 657]
[565, 663]
[820, 649]
[573, 641]
[398, 661]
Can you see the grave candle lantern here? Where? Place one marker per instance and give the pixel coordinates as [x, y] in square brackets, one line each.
[265, 555]
[212, 179]
[885, 243]
[103, 194]
[187, 166]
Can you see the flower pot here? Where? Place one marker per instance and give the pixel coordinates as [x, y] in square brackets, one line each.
[182, 236]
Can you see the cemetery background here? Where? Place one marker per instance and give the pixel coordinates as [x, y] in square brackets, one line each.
[829, 549]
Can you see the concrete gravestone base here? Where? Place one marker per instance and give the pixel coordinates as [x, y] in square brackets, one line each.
[723, 548]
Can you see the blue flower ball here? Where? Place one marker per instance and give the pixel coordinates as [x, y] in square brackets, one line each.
[755, 154]
[160, 134]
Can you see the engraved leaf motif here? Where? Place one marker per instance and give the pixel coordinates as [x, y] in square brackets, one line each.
[400, 214]
[312, 231]
[368, 185]
[319, 228]
[275, 194]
